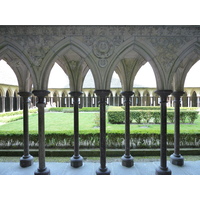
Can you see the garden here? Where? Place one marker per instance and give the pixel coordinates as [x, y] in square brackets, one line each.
[144, 128]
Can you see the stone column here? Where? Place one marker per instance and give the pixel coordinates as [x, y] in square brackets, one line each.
[3, 104]
[127, 159]
[11, 104]
[176, 157]
[141, 100]
[163, 169]
[18, 103]
[103, 170]
[26, 160]
[42, 170]
[76, 160]
[188, 101]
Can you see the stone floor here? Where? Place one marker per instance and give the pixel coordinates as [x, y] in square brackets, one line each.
[89, 168]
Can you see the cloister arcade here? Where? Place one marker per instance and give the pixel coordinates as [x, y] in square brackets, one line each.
[60, 97]
[32, 51]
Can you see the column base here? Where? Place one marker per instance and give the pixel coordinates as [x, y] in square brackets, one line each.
[127, 161]
[26, 161]
[177, 159]
[102, 171]
[45, 171]
[76, 161]
[163, 171]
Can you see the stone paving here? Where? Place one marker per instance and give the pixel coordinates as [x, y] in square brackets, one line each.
[89, 168]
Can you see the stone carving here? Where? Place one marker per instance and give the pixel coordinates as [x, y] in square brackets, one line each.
[102, 62]
[103, 47]
[167, 48]
[36, 41]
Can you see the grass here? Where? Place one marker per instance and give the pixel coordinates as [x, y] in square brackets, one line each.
[58, 121]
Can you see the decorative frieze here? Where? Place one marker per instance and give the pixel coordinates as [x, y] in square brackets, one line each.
[167, 48]
[38, 40]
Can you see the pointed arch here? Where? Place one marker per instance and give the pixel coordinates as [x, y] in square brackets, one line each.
[186, 59]
[88, 80]
[146, 52]
[59, 50]
[116, 80]
[13, 54]
[145, 77]
[58, 77]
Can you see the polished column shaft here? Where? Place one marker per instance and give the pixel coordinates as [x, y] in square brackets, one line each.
[127, 159]
[26, 160]
[163, 169]
[42, 170]
[76, 159]
[176, 158]
[103, 170]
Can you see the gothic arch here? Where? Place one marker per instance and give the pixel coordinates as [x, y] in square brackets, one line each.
[186, 59]
[13, 54]
[143, 50]
[59, 50]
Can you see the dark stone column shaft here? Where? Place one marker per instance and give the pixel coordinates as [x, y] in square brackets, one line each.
[163, 170]
[26, 159]
[42, 170]
[102, 94]
[176, 158]
[76, 160]
[127, 159]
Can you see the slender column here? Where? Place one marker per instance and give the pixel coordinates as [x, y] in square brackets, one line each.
[103, 170]
[76, 159]
[176, 157]
[163, 169]
[26, 160]
[11, 104]
[42, 170]
[141, 100]
[188, 101]
[3, 104]
[18, 102]
[127, 159]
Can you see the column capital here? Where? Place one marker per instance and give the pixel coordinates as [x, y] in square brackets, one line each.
[163, 94]
[178, 94]
[102, 93]
[75, 93]
[40, 93]
[127, 93]
[24, 94]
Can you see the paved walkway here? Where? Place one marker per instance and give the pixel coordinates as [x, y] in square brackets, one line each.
[89, 168]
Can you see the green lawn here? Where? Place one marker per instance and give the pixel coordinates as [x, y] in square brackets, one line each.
[58, 121]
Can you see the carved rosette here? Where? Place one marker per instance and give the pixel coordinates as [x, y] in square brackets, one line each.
[103, 48]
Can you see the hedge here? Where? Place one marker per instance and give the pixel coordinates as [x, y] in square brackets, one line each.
[92, 140]
[19, 112]
[71, 109]
[145, 116]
